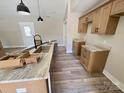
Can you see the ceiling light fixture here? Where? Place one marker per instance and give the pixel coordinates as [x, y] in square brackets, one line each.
[40, 19]
[22, 9]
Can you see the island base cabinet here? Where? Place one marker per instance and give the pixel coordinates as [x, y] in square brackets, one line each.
[34, 86]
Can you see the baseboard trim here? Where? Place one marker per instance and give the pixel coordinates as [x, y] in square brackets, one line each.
[21, 46]
[68, 51]
[114, 80]
[61, 45]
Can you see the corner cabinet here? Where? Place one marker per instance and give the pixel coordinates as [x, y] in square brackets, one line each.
[108, 24]
[118, 7]
[104, 18]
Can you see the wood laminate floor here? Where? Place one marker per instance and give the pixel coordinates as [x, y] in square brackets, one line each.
[69, 76]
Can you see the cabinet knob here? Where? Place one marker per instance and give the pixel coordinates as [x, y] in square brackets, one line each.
[96, 29]
[86, 19]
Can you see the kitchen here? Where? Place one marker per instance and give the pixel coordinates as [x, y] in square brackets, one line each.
[85, 58]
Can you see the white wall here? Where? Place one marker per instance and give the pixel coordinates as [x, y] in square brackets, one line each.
[10, 32]
[51, 30]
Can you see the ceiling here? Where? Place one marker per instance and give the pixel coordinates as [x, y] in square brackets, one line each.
[54, 9]
[83, 5]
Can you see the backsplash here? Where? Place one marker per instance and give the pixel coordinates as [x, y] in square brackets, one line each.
[94, 39]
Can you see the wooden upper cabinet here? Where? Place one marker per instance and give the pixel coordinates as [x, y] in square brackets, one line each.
[104, 18]
[107, 23]
[96, 21]
[118, 7]
[83, 25]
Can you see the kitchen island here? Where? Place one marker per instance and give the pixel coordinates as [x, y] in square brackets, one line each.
[32, 78]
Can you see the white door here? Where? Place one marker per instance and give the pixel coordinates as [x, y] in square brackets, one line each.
[27, 30]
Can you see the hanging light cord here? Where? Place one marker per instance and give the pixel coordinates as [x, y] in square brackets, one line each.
[21, 1]
[39, 7]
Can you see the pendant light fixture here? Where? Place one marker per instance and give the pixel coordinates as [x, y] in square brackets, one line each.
[40, 19]
[22, 9]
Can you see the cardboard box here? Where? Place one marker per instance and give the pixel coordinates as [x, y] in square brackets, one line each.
[11, 62]
[31, 58]
[21, 59]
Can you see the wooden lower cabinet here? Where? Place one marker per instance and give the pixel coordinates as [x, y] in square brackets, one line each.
[77, 47]
[93, 61]
[34, 86]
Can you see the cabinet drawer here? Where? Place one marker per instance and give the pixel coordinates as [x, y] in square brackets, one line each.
[118, 7]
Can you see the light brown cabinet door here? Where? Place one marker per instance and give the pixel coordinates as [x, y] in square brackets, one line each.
[104, 18]
[96, 21]
[83, 25]
[80, 26]
[118, 7]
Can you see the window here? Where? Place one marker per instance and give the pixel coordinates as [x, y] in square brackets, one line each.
[27, 30]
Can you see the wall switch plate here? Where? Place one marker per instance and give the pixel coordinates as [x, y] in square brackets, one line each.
[21, 90]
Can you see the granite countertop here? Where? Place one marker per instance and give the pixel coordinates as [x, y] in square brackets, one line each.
[95, 48]
[29, 72]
